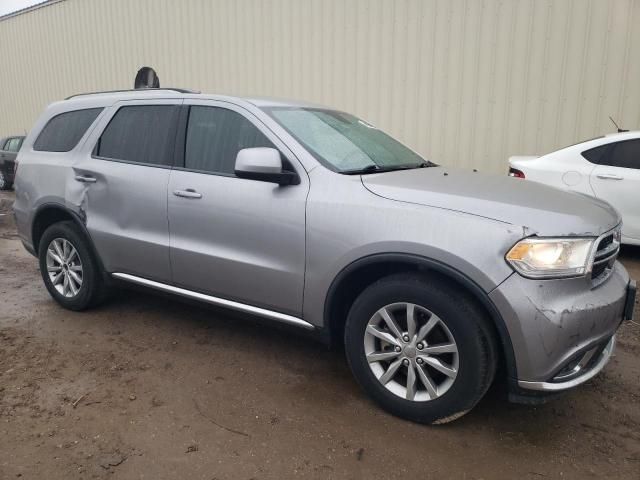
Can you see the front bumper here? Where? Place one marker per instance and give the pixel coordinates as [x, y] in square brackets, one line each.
[586, 367]
[562, 331]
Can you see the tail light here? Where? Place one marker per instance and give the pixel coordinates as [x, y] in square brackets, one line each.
[15, 167]
[514, 172]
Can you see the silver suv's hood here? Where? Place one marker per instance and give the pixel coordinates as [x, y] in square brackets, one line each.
[542, 210]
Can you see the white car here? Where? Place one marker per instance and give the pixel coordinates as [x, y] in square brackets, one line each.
[607, 168]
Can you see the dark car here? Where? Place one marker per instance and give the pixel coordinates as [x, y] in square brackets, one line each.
[9, 148]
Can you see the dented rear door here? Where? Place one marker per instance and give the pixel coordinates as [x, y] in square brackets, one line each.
[120, 184]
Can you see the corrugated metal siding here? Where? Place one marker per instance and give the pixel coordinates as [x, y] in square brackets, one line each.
[465, 83]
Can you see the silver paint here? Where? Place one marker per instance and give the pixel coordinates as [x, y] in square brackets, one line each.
[279, 248]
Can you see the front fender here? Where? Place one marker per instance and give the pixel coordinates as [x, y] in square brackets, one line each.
[426, 264]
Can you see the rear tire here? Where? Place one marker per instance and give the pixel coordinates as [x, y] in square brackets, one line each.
[69, 268]
[453, 364]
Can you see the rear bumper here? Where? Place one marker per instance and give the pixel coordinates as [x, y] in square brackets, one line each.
[562, 331]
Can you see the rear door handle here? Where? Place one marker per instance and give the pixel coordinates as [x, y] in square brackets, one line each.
[188, 193]
[609, 176]
[85, 179]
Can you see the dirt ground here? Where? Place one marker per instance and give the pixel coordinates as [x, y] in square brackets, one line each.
[151, 387]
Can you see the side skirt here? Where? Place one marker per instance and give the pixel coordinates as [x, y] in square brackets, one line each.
[220, 302]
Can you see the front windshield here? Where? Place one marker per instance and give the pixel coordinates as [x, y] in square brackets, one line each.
[343, 142]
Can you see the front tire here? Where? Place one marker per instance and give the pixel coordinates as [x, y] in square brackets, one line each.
[69, 268]
[420, 347]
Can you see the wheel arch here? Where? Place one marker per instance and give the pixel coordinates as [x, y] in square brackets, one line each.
[50, 213]
[364, 271]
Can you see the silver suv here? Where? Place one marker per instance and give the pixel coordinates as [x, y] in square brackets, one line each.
[431, 278]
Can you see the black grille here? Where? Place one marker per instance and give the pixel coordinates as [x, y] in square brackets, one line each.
[605, 242]
[606, 255]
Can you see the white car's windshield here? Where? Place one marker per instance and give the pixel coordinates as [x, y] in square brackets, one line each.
[345, 143]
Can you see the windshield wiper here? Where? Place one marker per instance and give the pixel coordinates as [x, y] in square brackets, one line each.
[427, 164]
[368, 169]
[391, 168]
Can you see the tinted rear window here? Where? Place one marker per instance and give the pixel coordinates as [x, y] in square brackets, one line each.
[624, 155]
[63, 132]
[140, 134]
[594, 155]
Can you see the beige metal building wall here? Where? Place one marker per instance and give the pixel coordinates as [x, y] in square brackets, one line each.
[464, 82]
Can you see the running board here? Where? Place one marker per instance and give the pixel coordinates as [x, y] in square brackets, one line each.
[221, 302]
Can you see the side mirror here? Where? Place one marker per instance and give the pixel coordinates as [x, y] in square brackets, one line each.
[263, 164]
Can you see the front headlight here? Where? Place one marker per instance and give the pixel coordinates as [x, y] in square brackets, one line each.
[551, 257]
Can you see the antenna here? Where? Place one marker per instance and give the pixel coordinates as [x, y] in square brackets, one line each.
[620, 130]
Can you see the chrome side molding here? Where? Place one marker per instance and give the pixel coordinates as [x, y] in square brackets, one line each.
[221, 302]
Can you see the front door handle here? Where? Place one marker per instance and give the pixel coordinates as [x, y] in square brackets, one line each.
[188, 193]
[85, 179]
[609, 176]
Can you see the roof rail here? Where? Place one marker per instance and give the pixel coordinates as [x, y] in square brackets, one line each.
[179, 90]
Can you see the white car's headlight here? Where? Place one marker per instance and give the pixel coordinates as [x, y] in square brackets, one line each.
[551, 257]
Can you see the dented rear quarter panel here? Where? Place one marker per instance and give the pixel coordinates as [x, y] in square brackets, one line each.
[41, 173]
[48, 172]
[124, 211]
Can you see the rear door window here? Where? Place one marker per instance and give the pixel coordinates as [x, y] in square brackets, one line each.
[140, 134]
[624, 155]
[63, 132]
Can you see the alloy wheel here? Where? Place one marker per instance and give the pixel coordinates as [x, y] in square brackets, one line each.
[64, 267]
[411, 351]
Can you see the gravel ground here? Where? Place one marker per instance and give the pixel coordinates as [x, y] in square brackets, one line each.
[152, 387]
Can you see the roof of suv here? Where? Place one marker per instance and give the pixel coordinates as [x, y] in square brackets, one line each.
[110, 97]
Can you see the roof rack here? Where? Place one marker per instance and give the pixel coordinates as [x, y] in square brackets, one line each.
[179, 90]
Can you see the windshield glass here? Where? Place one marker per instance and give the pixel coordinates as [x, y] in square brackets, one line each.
[343, 142]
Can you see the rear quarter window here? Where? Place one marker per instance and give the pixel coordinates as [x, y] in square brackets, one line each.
[63, 132]
[624, 154]
[594, 155]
